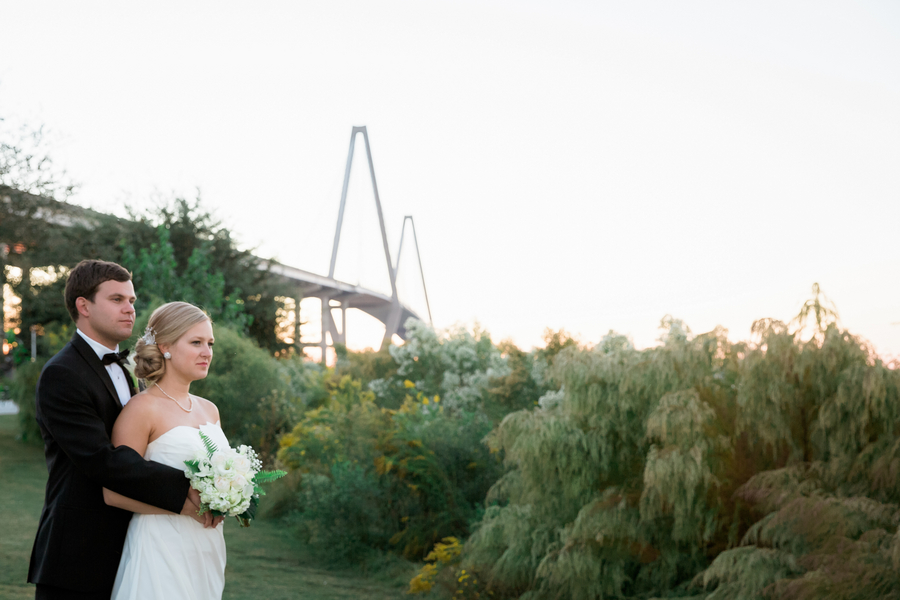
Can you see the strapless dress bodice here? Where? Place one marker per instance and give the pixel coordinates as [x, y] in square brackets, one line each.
[182, 443]
[172, 557]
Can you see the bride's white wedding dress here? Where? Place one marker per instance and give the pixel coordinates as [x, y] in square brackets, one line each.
[172, 557]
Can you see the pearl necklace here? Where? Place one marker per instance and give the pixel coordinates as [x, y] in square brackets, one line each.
[191, 398]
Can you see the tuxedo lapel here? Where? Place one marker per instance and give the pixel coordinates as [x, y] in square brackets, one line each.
[88, 354]
[128, 378]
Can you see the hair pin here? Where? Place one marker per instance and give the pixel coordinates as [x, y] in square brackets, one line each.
[149, 336]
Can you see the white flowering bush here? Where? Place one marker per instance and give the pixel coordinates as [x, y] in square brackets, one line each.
[456, 365]
[229, 480]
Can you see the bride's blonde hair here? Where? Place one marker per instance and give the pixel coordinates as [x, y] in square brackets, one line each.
[167, 324]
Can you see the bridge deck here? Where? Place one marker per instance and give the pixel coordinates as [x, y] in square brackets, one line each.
[313, 285]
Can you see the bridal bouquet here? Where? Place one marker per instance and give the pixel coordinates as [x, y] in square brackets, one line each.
[229, 480]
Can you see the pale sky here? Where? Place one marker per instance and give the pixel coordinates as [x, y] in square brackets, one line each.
[579, 165]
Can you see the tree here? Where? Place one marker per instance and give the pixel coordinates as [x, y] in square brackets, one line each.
[154, 270]
[28, 178]
[202, 248]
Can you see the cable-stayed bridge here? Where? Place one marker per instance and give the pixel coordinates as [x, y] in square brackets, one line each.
[341, 296]
[335, 295]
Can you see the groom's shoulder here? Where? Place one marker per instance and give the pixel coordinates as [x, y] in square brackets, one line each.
[66, 356]
[65, 363]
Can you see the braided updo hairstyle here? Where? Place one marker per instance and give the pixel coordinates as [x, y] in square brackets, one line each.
[168, 323]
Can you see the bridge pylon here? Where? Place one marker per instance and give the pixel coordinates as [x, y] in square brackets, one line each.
[335, 294]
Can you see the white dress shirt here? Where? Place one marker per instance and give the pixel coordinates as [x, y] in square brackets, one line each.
[115, 371]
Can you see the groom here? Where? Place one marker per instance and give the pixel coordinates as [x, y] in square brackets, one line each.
[79, 395]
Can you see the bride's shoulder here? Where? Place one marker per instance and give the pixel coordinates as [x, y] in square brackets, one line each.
[141, 402]
[208, 407]
[141, 408]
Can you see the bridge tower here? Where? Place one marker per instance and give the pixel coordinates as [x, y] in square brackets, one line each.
[339, 295]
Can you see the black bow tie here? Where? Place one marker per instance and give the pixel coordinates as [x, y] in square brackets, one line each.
[115, 357]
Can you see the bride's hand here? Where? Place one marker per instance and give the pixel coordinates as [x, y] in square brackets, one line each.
[191, 508]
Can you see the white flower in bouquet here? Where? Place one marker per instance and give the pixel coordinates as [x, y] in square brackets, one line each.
[228, 480]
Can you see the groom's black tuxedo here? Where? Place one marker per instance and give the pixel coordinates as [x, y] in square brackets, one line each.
[79, 539]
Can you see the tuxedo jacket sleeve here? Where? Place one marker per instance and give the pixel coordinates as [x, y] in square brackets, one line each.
[67, 412]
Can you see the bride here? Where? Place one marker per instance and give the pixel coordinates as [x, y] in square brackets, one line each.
[168, 556]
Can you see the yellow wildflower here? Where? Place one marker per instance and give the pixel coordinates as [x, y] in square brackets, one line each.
[424, 581]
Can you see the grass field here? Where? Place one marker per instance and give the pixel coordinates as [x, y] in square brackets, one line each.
[264, 561]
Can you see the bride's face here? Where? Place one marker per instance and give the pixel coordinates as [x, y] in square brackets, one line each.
[192, 353]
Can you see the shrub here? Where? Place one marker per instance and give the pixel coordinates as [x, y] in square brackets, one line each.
[342, 514]
[618, 485]
[765, 469]
[22, 391]
[423, 468]
[456, 365]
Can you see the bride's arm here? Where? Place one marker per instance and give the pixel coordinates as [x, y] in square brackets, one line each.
[133, 429]
[120, 501]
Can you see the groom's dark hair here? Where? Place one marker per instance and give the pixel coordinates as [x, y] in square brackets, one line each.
[86, 277]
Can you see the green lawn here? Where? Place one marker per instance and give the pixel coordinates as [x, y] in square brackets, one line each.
[264, 561]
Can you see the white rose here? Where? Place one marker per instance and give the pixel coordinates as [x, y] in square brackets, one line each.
[222, 483]
[242, 464]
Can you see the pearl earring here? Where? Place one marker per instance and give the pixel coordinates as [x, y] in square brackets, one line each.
[167, 355]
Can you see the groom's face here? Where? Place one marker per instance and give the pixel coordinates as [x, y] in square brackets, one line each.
[111, 315]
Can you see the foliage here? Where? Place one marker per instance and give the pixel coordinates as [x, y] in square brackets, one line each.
[820, 308]
[177, 251]
[442, 569]
[341, 514]
[365, 366]
[590, 463]
[393, 479]
[33, 259]
[212, 269]
[339, 508]
[24, 382]
[437, 470]
[516, 389]
[22, 391]
[154, 271]
[445, 554]
[701, 466]
[456, 365]
[26, 163]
